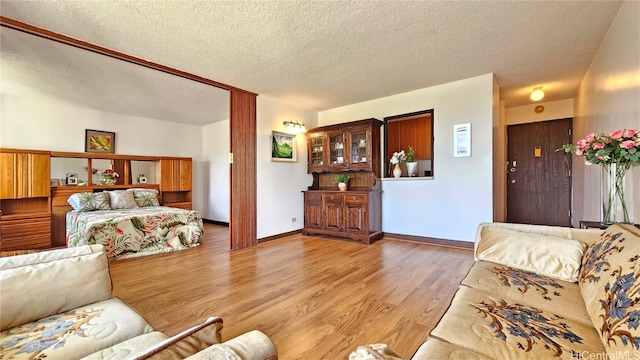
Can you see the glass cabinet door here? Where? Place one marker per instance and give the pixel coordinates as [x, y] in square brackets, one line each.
[316, 151]
[337, 149]
[359, 153]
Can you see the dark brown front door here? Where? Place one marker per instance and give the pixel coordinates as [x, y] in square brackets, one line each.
[538, 176]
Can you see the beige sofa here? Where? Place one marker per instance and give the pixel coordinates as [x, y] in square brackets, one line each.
[57, 305]
[541, 292]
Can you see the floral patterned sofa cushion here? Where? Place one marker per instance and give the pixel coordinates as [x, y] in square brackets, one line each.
[75, 333]
[501, 328]
[542, 292]
[610, 284]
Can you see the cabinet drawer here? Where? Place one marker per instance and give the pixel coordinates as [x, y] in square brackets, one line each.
[313, 197]
[333, 198]
[355, 198]
[25, 226]
[30, 241]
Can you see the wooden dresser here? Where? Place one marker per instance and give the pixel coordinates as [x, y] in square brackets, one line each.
[354, 149]
[25, 202]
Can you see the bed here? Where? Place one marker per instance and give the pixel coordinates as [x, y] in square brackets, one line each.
[132, 231]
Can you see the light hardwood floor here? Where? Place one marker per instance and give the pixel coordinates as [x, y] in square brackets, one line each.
[316, 297]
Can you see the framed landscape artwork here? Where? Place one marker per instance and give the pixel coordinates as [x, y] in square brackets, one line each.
[283, 147]
[96, 141]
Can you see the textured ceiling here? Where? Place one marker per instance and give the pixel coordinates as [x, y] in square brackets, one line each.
[314, 54]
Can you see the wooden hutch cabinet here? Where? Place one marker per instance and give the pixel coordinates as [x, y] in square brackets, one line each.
[352, 148]
[25, 206]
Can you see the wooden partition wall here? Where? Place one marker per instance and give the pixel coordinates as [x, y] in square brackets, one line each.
[243, 230]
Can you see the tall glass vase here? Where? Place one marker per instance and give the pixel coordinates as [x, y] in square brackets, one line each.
[617, 194]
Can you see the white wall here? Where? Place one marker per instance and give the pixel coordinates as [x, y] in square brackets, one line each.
[216, 168]
[553, 110]
[461, 194]
[280, 184]
[608, 99]
[31, 120]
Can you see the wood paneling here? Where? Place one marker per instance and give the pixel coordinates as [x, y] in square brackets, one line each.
[316, 298]
[24, 174]
[243, 231]
[415, 130]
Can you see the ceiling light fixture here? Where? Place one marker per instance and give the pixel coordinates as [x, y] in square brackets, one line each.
[537, 94]
[294, 125]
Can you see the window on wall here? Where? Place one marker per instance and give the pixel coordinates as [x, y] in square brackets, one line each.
[415, 130]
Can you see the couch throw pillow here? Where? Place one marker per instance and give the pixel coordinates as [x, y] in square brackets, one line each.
[610, 285]
[547, 255]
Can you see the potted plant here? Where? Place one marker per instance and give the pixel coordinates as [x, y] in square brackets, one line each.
[341, 180]
[412, 166]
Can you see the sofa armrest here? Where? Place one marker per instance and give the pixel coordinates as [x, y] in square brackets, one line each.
[253, 345]
[185, 343]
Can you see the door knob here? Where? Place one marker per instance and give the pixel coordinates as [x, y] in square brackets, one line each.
[513, 181]
[512, 169]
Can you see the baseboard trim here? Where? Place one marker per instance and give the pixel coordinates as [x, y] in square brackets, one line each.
[430, 240]
[278, 236]
[215, 222]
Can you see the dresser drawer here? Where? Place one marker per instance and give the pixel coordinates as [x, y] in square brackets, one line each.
[30, 241]
[25, 226]
[333, 198]
[355, 198]
[25, 232]
[313, 197]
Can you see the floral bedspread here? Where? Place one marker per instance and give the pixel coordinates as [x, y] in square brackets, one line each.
[129, 233]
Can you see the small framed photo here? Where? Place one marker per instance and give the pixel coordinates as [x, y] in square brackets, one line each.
[96, 141]
[142, 178]
[72, 179]
[283, 147]
[462, 140]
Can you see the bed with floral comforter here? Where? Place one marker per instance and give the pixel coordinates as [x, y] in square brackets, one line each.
[129, 233]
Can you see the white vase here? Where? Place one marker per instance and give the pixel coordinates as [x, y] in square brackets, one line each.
[412, 168]
[397, 172]
[342, 186]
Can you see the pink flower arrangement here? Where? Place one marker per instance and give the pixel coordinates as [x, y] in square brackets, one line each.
[109, 173]
[621, 147]
[616, 152]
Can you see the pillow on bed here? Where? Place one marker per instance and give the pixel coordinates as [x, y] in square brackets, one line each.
[88, 201]
[122, 199]
[145, 197]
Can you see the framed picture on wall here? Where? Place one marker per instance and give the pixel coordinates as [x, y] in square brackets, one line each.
[283, 147]
[96, 141]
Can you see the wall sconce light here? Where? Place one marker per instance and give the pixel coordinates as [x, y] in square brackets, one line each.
[537, 94]
[294, 125]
